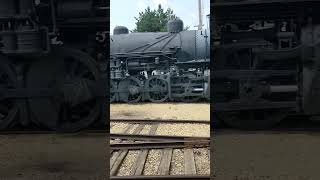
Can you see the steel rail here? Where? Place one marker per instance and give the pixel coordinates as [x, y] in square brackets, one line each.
[151, 121]
[160, 145]
[156, 137]
[166, 177]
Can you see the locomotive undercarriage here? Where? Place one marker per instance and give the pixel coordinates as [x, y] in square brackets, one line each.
[261, 66]
[154, 79]
[58, 91]
[49, 78]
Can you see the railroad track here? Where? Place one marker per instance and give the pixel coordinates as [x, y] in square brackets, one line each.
[156, 137]
[143, 146]
[120, 152]
[158, 121]
[175, 177]
[159, 145]
[153, 122]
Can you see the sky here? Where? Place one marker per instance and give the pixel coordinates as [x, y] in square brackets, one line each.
[122, 12]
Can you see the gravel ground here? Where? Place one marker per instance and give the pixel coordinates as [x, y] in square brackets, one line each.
[177, 162]
[202, 130]
[201, 157]
[126, 166]
[118, 127]
[198, 111]
[152, 162]
[191, 129]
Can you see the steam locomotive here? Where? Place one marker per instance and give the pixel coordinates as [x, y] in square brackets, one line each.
[53, 63]
[159, 66]
[267, 61]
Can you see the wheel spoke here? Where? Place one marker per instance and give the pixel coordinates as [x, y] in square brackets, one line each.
[158, 89]
[130, 90]
[76, 90]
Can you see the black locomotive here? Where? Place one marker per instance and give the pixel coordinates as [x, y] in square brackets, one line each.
[159, 66]
[267, 61]
[52, 63]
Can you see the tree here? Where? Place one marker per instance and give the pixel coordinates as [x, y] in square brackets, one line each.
[154, 20]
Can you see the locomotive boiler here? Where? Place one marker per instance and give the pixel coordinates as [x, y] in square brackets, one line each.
[52, 63]
[266, 61]
[159, 66]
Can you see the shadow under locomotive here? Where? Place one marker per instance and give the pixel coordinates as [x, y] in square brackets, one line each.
[291, 124]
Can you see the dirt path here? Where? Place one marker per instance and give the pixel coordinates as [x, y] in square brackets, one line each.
[266, 156]
[53, 157]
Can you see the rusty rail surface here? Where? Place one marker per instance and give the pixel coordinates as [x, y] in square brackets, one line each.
[158, 145]
[166, 177]
[153, 121]
[156, 137]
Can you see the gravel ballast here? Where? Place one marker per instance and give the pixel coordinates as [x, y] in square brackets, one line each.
[202, 130]
[177, 162]
[152, 162]
[201, 157]
[126, 166]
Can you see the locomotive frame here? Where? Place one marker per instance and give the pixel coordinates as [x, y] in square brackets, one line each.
[266, 63]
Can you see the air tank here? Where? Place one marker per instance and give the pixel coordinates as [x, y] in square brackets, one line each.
[120, 30]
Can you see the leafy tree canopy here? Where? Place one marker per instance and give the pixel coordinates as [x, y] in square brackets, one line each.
[154, 20]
